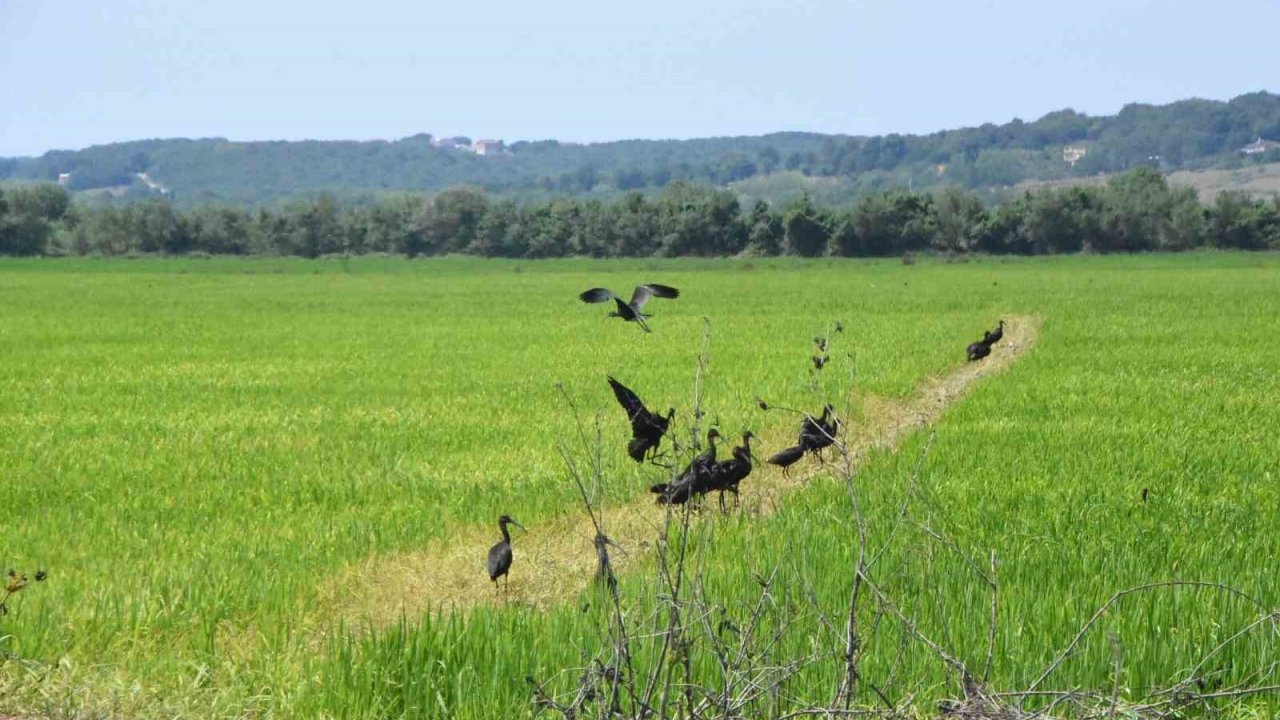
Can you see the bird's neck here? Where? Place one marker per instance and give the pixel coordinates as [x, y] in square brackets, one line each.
[506, 534]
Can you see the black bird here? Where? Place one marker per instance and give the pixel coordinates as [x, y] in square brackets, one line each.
[786, 458]
[500, 555]
[977, 351]
[821, 342]
[693, 480]
[816, 435]
[992, 337]
[631, 311]
[647, 427]
[819, 361]
[731, 472]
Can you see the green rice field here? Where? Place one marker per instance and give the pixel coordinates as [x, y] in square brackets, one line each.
[219, 461]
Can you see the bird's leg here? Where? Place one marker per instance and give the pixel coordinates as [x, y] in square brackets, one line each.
[655, 456]
[722, 509]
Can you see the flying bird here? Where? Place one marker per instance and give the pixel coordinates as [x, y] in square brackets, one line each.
[500, 556]
[631, 311]
[647, 427]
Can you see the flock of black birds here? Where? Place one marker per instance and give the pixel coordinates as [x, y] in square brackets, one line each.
[704, 474]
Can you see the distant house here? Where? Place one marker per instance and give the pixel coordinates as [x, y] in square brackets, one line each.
[489, 147]
[1071, 154]
[1260, 146]
[64, 178]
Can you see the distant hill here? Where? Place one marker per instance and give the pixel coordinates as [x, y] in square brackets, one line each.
[1063, 145]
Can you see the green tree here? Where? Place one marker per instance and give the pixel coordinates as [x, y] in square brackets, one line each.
[219, 230]
[448, 223]
[958, 219]
[314, 227]
[765, 232]
[806, 234]
[1141, 212]
[32, 214]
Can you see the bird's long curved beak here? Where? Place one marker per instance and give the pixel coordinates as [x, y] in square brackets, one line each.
[513, 522]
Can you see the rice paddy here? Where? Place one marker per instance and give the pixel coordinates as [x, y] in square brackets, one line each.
[259, 485]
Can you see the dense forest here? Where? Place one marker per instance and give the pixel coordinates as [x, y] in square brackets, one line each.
[1134, 211]
[1187, 134]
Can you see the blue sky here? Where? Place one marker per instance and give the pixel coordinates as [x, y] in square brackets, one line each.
[80, 73]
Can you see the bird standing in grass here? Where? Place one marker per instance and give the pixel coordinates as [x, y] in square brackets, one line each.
[977, 351]
[647, 427]
[992, 337]
[816, 434]
[786, 458]
[632, 311]
[500, 556]
[694, 479]
[733, 471]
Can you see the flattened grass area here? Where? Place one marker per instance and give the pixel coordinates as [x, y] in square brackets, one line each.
[193, 448]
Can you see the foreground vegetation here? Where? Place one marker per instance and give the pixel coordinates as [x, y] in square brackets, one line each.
[200, 451]
[1137, 211]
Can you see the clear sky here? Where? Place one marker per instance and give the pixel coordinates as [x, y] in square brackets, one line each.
[79, 73]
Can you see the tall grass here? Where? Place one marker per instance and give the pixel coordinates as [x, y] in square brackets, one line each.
[193, 448]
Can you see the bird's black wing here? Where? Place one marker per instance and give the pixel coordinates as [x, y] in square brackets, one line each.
[636, 411]
[810, 432]
[499, 560]
[644, 292]
[787, 457]
[596, 295]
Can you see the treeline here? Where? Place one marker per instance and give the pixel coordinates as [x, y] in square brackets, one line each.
[1184, 134]
[1136, 211]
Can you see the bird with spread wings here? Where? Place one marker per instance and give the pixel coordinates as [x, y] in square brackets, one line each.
[632, 311]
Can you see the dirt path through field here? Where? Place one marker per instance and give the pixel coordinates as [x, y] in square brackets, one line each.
[555, 559]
